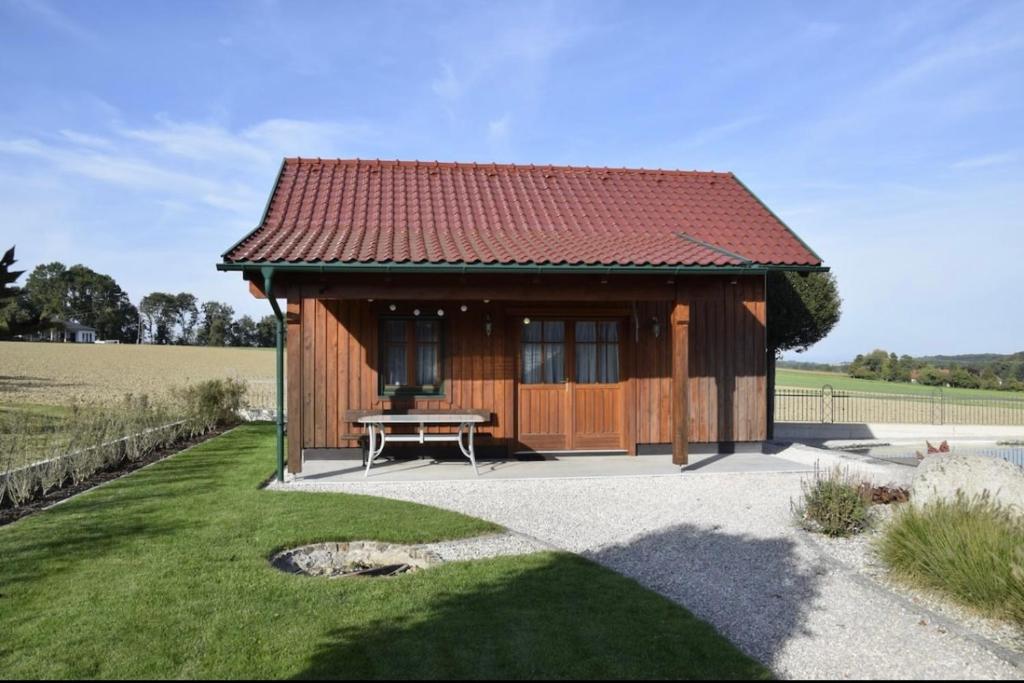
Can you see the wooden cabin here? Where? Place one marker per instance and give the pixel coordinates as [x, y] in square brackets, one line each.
[583, 309]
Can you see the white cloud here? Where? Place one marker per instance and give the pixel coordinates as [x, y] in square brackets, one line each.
[85, 139]
[498, 129]
[174, 191]
[447, 85]
[192, 161]
[718, 132]
[987, 160]
[55, 19]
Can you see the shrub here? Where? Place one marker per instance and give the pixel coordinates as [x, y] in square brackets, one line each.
[835, 505]
[215, 402]
[969, 549]
[95, 437]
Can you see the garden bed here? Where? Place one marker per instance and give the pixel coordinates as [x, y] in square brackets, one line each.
[51, 498]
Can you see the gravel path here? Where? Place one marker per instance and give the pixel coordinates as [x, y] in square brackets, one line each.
[482, 547]
[724, 546]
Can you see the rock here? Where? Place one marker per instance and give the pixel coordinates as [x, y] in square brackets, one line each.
[941, 476]
[343, 559]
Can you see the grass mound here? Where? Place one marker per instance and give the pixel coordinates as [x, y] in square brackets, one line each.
[971, 550]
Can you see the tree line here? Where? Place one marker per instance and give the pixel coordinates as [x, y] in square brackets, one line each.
[1004, 373]
[55, 293]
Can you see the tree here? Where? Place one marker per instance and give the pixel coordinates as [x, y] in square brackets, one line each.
[962, 377]
[892, 368]
[215, 328]
[243, 332]
[186, 314]
[169, 318]
[17, 314]
[906, 367]
[96, 300]
[47, 287]
[266, 331]
[158, 311]
[931, 376]
[82, 295]
[802, 310]
[8, 277]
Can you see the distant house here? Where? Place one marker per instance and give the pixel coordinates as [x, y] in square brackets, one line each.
[67, 331]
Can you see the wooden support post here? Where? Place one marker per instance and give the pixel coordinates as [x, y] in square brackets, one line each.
[681, 376]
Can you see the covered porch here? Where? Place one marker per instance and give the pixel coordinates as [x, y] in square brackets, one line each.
[326, 468]
[553, 363]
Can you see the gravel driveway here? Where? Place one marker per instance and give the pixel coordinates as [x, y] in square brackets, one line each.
[723, 546]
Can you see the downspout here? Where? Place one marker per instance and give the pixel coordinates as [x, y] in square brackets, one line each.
[268, 284]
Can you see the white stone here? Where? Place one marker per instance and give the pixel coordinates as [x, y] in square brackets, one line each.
[941, 476]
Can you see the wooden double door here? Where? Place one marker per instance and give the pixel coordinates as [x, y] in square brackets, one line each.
[569, 384]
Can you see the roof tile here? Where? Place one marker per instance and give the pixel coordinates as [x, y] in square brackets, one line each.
[347, 211]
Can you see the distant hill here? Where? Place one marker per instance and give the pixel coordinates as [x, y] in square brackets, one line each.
[995, 371]
[807, 365]
[971, 360]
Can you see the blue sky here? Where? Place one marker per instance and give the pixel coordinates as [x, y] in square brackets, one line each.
[142, 138]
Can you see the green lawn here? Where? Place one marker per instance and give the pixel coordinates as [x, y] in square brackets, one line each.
[163, 574]
[812, 379]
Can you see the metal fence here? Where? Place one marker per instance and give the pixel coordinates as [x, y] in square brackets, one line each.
[831, 405]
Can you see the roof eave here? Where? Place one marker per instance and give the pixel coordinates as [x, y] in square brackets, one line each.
[406, 267]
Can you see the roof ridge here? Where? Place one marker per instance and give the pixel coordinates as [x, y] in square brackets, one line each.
[476, 166]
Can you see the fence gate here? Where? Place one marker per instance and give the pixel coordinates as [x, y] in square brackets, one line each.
[827, 404]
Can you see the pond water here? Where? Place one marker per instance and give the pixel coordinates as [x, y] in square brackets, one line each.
[906, 453]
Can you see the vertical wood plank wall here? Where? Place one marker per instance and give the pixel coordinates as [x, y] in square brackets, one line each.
[727, 364]
[332, 366]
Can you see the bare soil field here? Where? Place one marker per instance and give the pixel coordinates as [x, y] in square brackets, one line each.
[62, 374]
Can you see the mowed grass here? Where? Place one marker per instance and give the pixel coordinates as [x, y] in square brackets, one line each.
[812, 379]
[164, 574]
[61, 374]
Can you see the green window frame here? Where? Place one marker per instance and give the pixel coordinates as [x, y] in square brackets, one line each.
[411, 356]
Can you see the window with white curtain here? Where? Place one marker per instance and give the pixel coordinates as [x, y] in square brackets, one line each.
[543, 352]
[410, 356]
[597, 352]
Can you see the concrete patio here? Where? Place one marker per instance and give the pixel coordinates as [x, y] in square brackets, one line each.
[553, 466]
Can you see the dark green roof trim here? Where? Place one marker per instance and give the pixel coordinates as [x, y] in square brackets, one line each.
[783, 223]
[405, 267]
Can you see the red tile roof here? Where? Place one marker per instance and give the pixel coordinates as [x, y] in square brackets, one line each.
[355, 211]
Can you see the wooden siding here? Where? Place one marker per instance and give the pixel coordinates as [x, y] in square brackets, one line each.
[332, 358]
